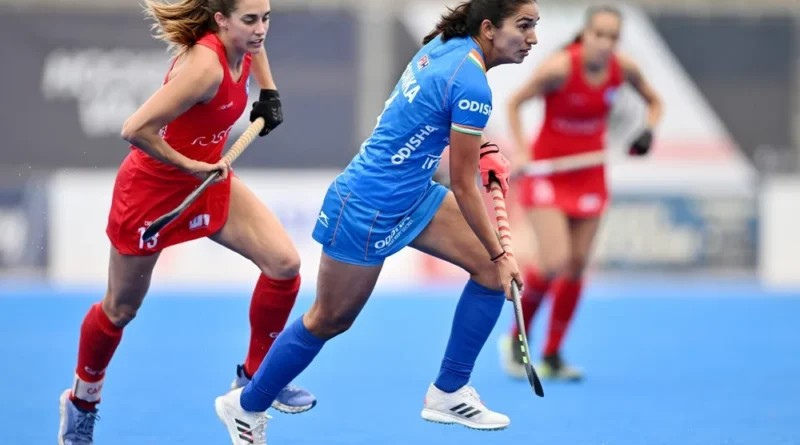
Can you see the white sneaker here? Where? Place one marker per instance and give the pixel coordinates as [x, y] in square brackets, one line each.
[509, 357]
[463, 407]
[291, 400]
[244, 427]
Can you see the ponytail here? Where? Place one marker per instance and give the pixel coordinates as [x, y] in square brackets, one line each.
[452, 24]
[182, 24]
[466, 18]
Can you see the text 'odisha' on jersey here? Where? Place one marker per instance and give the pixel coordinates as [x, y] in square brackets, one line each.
[443, 89]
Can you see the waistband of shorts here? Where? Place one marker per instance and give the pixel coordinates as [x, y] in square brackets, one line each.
[348, 191]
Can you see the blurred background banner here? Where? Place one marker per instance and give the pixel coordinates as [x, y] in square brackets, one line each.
[23, 230]
[77, 75]
[729, 72]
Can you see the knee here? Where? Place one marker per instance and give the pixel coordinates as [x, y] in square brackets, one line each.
[569, 266]
[327, 323]
[486, 275]
[120, 314]
[574, 267]
[282, 267]
[555, 265]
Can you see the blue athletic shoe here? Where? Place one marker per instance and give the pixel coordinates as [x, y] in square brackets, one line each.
[75, 427]
[291, 400]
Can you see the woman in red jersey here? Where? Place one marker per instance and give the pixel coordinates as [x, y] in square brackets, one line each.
[564, 209]
[177, 137]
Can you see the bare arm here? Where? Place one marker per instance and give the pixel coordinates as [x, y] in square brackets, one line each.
[464, 154]
[548, 77]
[262, 72]
[634, 76]
[196, 81]
[268, 105]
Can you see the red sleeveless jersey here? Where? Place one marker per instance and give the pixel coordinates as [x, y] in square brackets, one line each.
[575, 115]
[200, 133]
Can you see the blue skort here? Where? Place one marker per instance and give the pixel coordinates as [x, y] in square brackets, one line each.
[354, 232]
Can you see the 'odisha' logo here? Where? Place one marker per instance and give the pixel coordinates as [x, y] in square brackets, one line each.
[412, 144]
[475, 106]
[398, 230]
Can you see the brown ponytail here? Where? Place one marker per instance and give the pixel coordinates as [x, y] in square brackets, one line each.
[182, 24]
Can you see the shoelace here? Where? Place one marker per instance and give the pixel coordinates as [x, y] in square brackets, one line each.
[291, 388]
[473, 394]
[259, 430]
[85, 424]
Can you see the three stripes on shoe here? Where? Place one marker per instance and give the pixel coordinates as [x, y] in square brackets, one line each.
[245, 431]
[462, 409]
[465, 410]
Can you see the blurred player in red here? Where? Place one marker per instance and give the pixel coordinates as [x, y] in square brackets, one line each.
[578, 84]
[177, 137]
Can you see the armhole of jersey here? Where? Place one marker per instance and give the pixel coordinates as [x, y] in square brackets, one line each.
[202, 41]
[169, 71]
[212, 42]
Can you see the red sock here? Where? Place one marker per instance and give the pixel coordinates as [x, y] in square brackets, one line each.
[566, 293]
[534, 291]
[98, 341]
[269, 309]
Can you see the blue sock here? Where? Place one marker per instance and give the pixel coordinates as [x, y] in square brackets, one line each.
[476, 314]
[292, 352]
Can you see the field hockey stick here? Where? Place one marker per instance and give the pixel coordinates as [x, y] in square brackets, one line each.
[238, 147]
[565, 163]
[505, 240]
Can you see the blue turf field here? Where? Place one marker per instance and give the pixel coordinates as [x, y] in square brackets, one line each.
[696, 365]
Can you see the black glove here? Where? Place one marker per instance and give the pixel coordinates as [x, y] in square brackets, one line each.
[642, 144]
[268, 107]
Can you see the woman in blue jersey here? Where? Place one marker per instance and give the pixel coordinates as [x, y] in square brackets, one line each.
[385, 200]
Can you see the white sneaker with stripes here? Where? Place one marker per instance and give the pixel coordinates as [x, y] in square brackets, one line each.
[463, 407]
[244, 427]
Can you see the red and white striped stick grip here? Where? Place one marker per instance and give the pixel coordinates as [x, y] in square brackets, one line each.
[501, 213]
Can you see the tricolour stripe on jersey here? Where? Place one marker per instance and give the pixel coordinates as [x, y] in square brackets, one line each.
[466, 129]
[476, 58]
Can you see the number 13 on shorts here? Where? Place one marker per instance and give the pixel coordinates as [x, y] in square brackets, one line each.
[151, 243]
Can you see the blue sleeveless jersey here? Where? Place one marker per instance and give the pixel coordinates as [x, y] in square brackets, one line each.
[385, 197]
[443, 88]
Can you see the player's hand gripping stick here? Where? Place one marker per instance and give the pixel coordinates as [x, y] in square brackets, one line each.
[238, 147]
